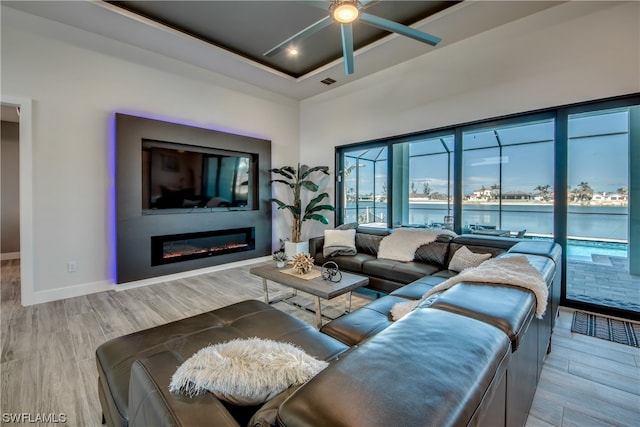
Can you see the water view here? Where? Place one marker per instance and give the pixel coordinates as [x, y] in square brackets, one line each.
[596, 222]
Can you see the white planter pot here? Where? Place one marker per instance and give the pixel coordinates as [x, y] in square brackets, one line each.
[292, 249]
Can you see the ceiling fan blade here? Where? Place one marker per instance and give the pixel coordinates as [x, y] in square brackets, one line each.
[394, 27]
[367, 3]
[347, 47]
[311, 29]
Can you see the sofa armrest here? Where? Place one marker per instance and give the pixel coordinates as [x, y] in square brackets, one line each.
[316, 244]
[151, 403]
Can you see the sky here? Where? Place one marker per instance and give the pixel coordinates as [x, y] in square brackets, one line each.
[598, 155]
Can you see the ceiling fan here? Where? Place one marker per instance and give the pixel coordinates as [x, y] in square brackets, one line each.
[345, 12]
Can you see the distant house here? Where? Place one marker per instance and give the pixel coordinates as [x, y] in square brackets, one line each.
[478, 195]
[516, 195]
[609, 197]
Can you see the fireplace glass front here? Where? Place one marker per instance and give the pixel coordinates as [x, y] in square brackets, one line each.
[183, 247]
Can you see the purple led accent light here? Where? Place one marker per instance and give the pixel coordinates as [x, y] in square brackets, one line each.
[111, 207]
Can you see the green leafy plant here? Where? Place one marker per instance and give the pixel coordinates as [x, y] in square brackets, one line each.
[279, 256]
[296, 180]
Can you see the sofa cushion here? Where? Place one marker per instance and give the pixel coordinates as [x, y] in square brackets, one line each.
[417, 289]
[401, 245]
[481, 245]
[475, 240]
[153, 405]
[464, 258]
[537, 247]
[352, 263]
[505, 307]
[368, 243]
[430, 368]
[435, 252]
[544, 265]
[355, 327]
[401, 272]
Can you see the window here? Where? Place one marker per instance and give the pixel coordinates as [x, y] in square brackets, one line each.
[508, 178]
[424, 169]
[364, 189]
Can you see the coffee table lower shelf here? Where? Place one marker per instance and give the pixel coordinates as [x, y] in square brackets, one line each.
[317, 288]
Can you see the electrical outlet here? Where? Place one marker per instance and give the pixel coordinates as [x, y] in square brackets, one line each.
[72, 267]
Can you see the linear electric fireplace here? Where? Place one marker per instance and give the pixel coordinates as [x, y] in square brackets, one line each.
[183, 247]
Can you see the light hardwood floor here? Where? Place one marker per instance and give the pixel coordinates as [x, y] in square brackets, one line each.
[47, 362]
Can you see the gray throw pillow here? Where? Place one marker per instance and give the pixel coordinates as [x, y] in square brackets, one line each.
[339, 242]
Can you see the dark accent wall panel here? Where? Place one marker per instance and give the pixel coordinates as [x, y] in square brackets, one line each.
[134, 228]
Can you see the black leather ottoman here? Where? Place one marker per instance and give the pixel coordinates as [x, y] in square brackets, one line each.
[178, 340]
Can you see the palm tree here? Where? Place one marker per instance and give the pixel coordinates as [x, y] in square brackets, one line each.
[583, 193]
[543, 192]
[426, 188]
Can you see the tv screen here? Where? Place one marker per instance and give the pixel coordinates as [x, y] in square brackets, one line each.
[178, 176]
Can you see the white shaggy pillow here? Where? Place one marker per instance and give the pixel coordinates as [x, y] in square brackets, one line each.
[464, 258]
[245, 371]
[339, 242]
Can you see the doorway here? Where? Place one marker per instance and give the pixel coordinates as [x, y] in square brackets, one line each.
[9, 182]
[598, 211]
[25, 254]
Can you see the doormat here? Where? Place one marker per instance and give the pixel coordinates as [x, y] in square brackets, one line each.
[617, 331]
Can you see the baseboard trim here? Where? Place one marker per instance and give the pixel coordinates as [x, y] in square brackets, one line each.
[9, 255]
[39, 297]
[190, 273]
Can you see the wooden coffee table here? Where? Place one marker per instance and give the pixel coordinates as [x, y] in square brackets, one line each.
[317, 287]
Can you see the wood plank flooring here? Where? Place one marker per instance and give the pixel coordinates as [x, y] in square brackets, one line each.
[47, 351]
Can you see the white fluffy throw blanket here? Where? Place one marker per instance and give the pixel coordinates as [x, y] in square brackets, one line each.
[401, 245]
[514, 271]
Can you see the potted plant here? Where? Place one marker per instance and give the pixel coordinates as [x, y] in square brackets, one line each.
[280, 258]
[297, 180]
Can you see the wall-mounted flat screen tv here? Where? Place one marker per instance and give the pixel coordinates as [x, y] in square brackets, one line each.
[185, 178]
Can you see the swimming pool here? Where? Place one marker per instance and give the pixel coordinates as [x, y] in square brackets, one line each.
[583, 249]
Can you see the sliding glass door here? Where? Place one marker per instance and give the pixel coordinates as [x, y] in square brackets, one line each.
[598, 210]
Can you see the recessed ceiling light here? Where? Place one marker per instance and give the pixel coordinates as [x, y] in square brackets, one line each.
[293, 51]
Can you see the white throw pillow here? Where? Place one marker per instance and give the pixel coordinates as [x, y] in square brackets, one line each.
[464, 258]
[245, 371]
[339, 242]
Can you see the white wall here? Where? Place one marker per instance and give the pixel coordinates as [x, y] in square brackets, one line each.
[570, 53]
[75, 93]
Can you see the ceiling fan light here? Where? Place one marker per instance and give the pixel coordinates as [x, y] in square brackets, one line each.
[345, 12]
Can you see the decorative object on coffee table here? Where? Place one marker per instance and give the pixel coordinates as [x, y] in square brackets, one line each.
[302, 263]
[296, 180]
[331, 272]
[280, 258]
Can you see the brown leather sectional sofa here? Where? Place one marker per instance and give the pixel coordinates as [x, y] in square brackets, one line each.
[471, 356]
